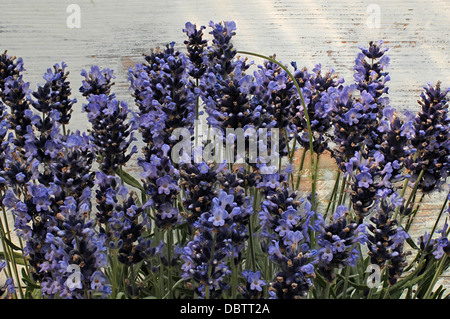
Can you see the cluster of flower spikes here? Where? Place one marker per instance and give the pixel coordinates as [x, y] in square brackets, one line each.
[337, 239]
[14, 94]
[220, 233]
[314, 86]
[77, 247]
[285, 230]
[112, 131]
[18, 164]
[385, 239]
[163, 94]
[430, 140]
[121, 220]
[225, 90]
[37, 197]
[375, 176]
[224, 87]
[123, 224]
[54, 221]
[75, 179]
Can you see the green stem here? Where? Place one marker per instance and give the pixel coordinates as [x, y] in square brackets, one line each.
[169, 260]
[300, 168]
[6, 234]
[436, 276]
[234, 280]
[327, 290]
[413, 214]
[347, 274]
[267, 274]
[333, 194]
[207, 293]
[405, 186]
[10, 259]
[371, 291]
[434, 228]
[314, 184]
[197, 107]
[413, 192]
[342, 190]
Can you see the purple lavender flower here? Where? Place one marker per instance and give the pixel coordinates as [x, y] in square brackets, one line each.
[198, 182]
[15, 95]
[430, 140]
[112, 129]
[8, 286]
[441, 244]
[364, 179]
[97, 81]
[337, 239]
[205, 263]
[55, 93]
[315, 85]
[253, 285]
[165, 185]
[195, 46]
[385, 241]
[10, 67]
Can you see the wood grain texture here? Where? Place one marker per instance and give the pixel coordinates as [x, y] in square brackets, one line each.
[115, 34]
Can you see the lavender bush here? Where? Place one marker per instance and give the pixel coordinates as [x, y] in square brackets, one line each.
[221, 225]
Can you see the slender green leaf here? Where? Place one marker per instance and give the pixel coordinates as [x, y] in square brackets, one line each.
[130, 180]
[411, 242]
[30, 283]
[320, 280]
[18, 258]
[12, 245]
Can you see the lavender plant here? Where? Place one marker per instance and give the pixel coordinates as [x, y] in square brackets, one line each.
[212, 227]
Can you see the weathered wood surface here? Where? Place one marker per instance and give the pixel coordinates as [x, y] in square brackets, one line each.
[115, 34]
